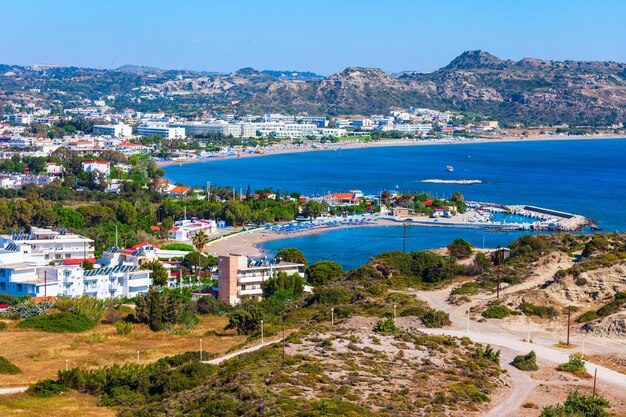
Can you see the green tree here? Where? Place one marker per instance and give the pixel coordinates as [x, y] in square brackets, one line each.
[323, 272]
[312, 209]
[294, 255]
[460, 249]
[245, 320]
[293, 284]
[166, 226]
[199, 241]
[158, 273]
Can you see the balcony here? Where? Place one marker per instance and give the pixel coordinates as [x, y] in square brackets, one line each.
[249, 280]
[256, 291]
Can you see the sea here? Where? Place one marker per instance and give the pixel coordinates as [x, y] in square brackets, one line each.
[586, 177]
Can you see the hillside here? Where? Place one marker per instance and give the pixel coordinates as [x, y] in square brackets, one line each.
[529, 91]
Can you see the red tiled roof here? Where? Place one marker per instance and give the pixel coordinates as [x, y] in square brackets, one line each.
[142, 244]
[78, 261]
[180, 189]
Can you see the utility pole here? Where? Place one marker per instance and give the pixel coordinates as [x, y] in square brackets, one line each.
[595, 377]
[394, 314]
[332, 316]
[569, 316]
[404, 238]
[283, 345]
[261, 331]
[137, 357]
[499, 261]
[208, 191]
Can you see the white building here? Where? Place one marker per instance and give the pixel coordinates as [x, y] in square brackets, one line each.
[47, 245]
[185, 230]
[162, 129]
[119, 130]
[96, 166]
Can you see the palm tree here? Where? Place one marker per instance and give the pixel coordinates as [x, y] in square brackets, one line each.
[199, 241]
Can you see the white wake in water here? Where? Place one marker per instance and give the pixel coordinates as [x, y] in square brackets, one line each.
[462, 182]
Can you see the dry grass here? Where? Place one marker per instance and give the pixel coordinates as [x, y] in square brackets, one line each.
[70, 404]
[40, 355]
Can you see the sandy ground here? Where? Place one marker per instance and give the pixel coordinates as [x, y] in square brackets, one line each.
[285, 149]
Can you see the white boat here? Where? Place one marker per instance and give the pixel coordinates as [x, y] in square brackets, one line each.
[450, 168]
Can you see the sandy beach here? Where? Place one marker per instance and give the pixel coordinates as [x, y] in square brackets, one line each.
[345, 145]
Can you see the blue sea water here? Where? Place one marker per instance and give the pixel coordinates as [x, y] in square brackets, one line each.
[585, 177]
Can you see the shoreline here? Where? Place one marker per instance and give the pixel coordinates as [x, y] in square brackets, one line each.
[349, 145]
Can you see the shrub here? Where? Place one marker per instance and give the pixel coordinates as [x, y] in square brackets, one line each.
[460, 249]
[496, 312]
[90, 307]
[27, 309]
[323, 272]
[386, 326]
[96, 338]
[3, 326]
[435, 318]
[7, 368]
[292, 255]
[588, 316]
[488, 353]
[414, 311]
[579, 406]
[209, 305]
[58, 323]
[541, 311]
[527, 362]
[468, 288]
[123, 328]
[574, 365]
[46, 388]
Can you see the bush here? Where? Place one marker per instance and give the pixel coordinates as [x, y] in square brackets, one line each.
[46, 388]
[577, 405]
[209, 305]
[496, 312]
[414, 311]
[90, 307]
[526, 362]
[7, 368]
[27, 309]
[96, 338]
[588, 316]
[58, 323]
[460, 249]
[488, 353]
[323, 272]
[387, 326]
[294, 255]
[575, 365]
[123, 328]
[541, 311]
[436, 318]
[3, 326]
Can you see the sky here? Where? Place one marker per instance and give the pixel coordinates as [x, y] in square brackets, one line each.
[322, 36]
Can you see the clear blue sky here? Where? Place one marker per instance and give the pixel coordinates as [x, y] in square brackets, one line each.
[318, 35]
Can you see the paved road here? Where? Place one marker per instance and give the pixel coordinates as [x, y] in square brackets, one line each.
[17, 390]
[522, 387]
[221, 359]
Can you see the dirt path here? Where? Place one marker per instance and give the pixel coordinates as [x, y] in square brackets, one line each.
[221, 359]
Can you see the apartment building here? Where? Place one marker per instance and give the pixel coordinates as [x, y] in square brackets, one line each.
[161, 129]
[48, 245]
[185, 230]
[119, 130]
[239, 276]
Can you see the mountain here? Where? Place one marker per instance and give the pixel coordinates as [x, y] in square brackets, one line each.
[529, 91]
